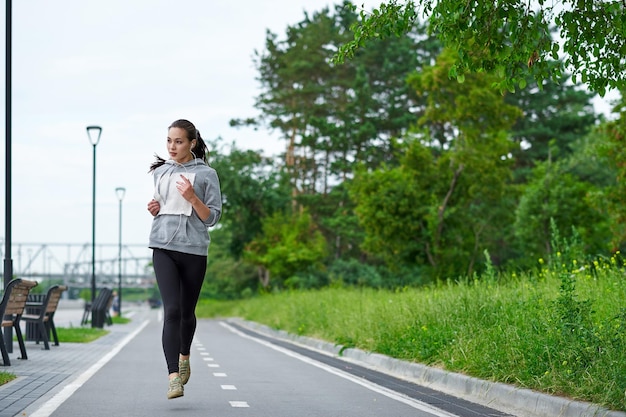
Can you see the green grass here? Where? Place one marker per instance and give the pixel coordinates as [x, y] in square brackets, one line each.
[79, 334]
[120, 320]
[558, 331]
[6, 377]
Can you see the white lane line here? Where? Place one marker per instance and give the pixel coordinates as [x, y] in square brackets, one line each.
[228, 387]
[240, 404]
[212, 365]
[48, 408]
[204, 353]
[363, 382]
[208, 359]
[201, 348]
[219, 374]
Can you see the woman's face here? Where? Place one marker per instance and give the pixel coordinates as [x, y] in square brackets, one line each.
[178, 145]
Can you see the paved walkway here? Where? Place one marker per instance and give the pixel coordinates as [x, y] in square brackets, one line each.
[63, 369]
[45, 372]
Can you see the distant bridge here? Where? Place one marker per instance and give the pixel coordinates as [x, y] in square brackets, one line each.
[72, 264]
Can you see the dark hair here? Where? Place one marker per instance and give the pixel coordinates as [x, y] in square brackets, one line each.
[200, 149]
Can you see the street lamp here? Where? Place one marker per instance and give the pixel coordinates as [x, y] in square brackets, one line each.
[120, 192]
[93, 132]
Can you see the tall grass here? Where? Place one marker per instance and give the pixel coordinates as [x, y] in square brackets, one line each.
[561, 330]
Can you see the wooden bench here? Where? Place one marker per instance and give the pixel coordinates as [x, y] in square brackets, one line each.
[42, 315]
[99, 311]
[11, 310]
[107, 309]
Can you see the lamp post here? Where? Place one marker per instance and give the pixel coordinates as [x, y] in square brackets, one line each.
[93, 132]
[8, 260]
[120, 192]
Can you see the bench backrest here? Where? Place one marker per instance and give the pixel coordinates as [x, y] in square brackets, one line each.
[102, 300]
[15, 296]
[54, 296]
[109, 303]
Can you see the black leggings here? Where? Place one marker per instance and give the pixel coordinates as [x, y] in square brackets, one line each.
[179, 276]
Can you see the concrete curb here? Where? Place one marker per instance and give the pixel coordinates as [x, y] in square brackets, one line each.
[502, 397]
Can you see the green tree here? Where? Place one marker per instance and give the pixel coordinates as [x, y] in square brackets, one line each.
[613, 198]
[227, 277]
[393, 207]
[512, 38]
[334, 214]
[447, 201]
[335, 116]
[289, 245]
[252, 188]
[554, 118]
[556, 195]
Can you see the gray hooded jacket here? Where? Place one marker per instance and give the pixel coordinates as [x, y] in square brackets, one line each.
[177, 227]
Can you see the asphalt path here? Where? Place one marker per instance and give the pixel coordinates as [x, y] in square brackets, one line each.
[236, 372]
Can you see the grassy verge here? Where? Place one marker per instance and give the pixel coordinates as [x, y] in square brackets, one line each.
[6, 377]
[120, 320]
[561, 331]
[79, 334]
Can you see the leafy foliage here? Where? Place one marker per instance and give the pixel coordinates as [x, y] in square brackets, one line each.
[227, 277]
[395, 174]
[289, 244]
[445, 198]
[512, 39]
[336, 116]
[555, 195]
[613, 197]
[252, 188]
[556, 117]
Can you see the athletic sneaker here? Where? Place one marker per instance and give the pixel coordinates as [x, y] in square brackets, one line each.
[184, 370]
[175, 389]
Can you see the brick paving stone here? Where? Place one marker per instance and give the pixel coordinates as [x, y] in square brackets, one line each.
[45, 370]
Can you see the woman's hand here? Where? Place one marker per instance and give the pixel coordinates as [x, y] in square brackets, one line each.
[154, 207]
[185, 188]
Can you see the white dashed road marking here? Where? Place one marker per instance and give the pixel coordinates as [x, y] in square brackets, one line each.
[211, 364]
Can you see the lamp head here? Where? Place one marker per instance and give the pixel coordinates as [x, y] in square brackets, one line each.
[120, 192]
[94, 132]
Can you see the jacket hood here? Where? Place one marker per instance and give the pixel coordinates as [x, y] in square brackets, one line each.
[187, 164]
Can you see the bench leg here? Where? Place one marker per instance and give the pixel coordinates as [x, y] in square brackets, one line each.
[51, 328]
[85, 318]
[5, 355]
[44, 334]
[20, 340]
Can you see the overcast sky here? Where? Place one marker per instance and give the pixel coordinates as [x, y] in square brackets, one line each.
[132, 67]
